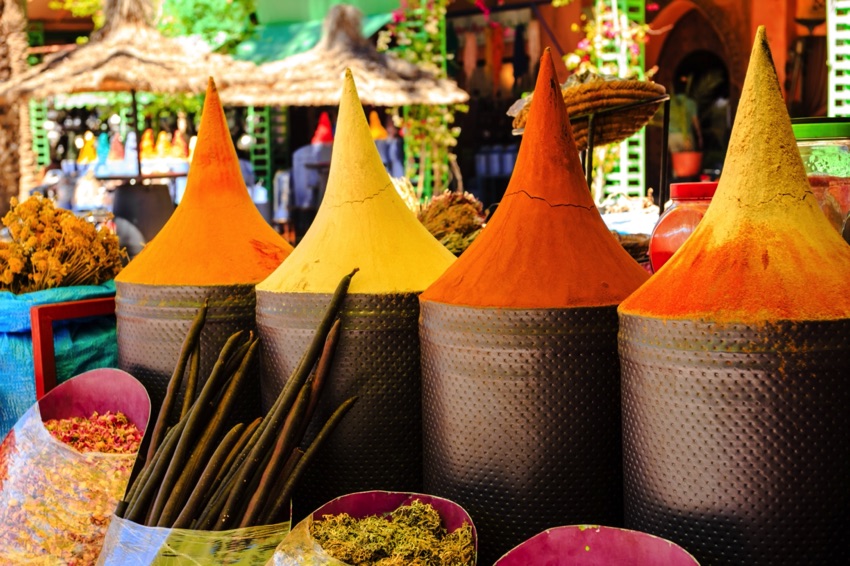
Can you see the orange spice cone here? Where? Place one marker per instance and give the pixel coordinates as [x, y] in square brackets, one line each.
[215, 247]
[546, 245]
[519, 336]
[362, 223]
[216, 236]
[735, 360]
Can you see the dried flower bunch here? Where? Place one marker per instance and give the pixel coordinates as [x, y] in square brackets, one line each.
[52, 247]
[109, 433]
[411, 535]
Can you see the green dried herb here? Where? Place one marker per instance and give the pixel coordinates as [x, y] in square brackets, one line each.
[411, 535]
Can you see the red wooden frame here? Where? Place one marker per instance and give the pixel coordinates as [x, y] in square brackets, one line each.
[43, 352]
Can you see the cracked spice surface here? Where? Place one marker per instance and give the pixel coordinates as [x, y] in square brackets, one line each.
[362, 222]
[764, 251]
[546, 245]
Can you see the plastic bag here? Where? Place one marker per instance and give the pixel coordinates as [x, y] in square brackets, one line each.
[299, 548]
[55, 502]
[80, 344]
[130, 544]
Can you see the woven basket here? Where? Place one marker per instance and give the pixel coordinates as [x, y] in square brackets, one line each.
[593, 97]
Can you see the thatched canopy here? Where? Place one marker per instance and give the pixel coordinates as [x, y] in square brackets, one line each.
[128, 53]
[315, 77]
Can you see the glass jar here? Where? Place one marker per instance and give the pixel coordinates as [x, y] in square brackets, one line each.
[689, 201]
[824, 145]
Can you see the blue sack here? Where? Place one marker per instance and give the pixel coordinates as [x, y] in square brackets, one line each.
[80, 345]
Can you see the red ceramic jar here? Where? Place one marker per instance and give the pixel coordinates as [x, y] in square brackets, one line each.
[688, 206]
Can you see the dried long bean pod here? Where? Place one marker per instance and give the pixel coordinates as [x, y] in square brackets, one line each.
[142, 479]
[138, 509]
[175, 498]
[195, 422]
[308, 360]
[240, 444]
[274, 420]
[191, 380]
[286, 441]
[209, 519]
[174, 383]
[279, 483]
[323, 369]
[217, 460]
[285, 495]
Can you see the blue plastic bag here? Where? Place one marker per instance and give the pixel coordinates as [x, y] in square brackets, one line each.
[80, 345]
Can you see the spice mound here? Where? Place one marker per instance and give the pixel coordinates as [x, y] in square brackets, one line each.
[411, 535]
[109, 433]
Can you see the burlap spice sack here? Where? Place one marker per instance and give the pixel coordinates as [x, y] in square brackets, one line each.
[521, 382]
[735, 363]
[217, 247]
[362, 223]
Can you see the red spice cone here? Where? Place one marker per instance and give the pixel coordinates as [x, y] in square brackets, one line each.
[216, 236]
[547, 245]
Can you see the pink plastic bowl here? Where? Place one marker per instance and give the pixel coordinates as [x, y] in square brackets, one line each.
[592, 545]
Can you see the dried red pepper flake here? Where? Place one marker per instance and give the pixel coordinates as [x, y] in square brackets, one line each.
[110, 433]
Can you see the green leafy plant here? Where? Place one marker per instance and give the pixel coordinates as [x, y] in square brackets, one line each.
[416, 35]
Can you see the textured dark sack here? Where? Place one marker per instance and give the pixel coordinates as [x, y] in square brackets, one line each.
[153, 321]
[736, 438]
[521, 418]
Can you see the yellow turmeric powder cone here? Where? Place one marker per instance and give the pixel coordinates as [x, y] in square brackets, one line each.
[547, 245]
[735, 360]
[362, 222]
[764, 250]
[216, 236]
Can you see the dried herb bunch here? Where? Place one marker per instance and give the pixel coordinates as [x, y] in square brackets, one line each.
[52, 247]
[411, 535]
[454, 218]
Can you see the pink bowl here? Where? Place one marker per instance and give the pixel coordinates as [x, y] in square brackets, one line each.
[593, 545]
[100, 390]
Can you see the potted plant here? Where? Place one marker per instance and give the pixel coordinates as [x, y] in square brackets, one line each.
[685, 137]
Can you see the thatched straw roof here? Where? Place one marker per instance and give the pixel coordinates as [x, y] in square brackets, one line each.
[315, 77]
[128, 53]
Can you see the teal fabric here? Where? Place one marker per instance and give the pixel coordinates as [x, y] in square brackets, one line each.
[80, 345]
[275, 41]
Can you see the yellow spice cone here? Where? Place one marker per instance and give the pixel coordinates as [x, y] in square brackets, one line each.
[362, 222]
[764, 250]
[216, 236]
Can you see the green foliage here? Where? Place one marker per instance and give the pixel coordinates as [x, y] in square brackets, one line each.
[417, 35]
[81, 9]
[223, 24]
